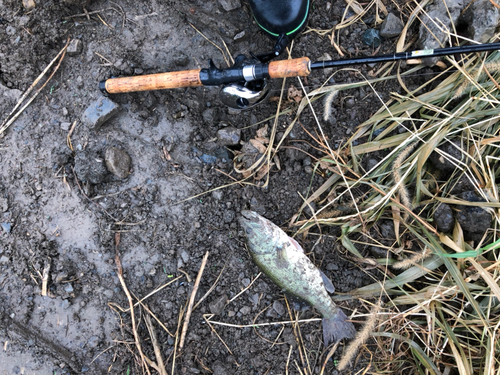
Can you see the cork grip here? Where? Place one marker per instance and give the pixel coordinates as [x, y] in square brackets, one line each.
[171, 80]
[289, 68]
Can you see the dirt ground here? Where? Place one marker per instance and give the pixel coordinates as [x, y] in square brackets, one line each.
[48, 220]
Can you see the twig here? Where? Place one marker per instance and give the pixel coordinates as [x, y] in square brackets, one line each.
[191, 301]
[8, 122]
[129, 297]
[45, 278]
[244, 290]
[160, 367]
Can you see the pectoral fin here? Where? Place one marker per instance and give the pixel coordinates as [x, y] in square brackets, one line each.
[327, 282]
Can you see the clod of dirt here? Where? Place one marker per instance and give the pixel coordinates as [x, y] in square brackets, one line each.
[181, 59]
[229, 136]
[463, 184]
[210, 116]
[379, 252]
[391, 27]
[475, 221]
[118, 162]
[89, 167]
[6, 227]
[449, 161]
[99, 112]
[217, 305]
[443, 218]
[75, 47]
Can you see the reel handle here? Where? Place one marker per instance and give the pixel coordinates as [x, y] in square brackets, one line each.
[170, 80]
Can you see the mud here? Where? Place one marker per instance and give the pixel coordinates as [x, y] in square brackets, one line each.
[53, 221]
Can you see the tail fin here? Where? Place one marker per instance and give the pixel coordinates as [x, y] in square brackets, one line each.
[336, 328]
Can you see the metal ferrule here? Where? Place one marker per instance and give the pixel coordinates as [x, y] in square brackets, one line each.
[249, 73]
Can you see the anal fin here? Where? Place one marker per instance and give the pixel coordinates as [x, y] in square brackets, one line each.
[327, 282]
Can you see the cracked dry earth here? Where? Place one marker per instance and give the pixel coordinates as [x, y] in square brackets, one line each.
[59, 225]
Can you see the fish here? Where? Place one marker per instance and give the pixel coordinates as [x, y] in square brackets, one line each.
[283, 260]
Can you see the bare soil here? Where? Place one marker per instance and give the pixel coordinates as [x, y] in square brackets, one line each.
[50, 219]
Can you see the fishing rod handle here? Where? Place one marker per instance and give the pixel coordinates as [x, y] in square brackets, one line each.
[300, 67]
[170, 80]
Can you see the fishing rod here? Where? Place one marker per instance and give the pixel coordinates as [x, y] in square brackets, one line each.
[244, 85]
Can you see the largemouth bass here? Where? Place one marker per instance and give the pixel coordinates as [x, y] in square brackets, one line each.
[283, 260]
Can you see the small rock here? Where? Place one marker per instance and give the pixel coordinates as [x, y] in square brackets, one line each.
[228, 216]
[391, 27]
[443, 218]
[68, 288]
[254, 298]
[75, 47]
[6, 227]
[245, 310]
[332, 267]
[89, 167]
[279, 308]
[118, 162]
[241, 36]
[185, 256]
[230, 5]
[65, 304]
[65, 126]
[99, 112]
[229, 136]
[28, 4]
[10, 30]
[371, 37]
[217, 305]
[181, 59]
[209, 116]
[4, 259]
[245, 282]
[217, 194]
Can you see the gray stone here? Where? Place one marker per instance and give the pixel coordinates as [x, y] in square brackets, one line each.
[217, 194]
[482, 19]
[65, 304]
[118, 162]
[99, 112]
[279, 308]
[228, 216]
[245, 310]
[245, 282]
[10, 30]
[65, 126]
[209, 116]
[229, 136]
[89, 167]
[4, 259]
[69, 288]
[75, 47]
[443, 218]
[241, 36]
[217, 306]
[439, 16]
[230, 5]
[6, 227]
[181, 59]
[185, 256]
[391, 27]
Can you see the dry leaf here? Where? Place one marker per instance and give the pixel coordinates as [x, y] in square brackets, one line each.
[294, 94]
[259, 146]
[262, 132]
[263, 171]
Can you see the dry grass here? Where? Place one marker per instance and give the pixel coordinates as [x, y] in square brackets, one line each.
[443, 303]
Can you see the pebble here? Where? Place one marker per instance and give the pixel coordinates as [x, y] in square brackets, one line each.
[279, 308]
[230, 5]
[217, 306]
[217, 194]
[229, 216]
[4, 259]
[6, 227]
[371, 37]
[332, 267]
[185, 256]
[65, 126]
[29, 4]
[209, 116]
[69, 288]
[443, 218]
[99, 112]
[75, 47]
[391, 27]
[483, 20]
[118, 162]
[245, 310]
[245, 282]
[65, 304]
[229, 136]
[10, 30]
